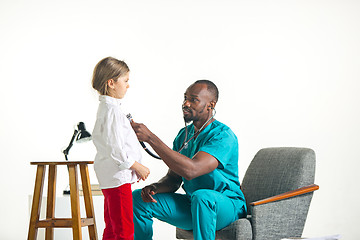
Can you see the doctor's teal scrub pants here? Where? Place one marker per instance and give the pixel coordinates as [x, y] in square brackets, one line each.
[204, 212]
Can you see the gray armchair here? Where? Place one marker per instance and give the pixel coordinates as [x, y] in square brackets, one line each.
[278, 186]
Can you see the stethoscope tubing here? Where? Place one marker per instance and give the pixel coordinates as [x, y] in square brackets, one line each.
[148, 151]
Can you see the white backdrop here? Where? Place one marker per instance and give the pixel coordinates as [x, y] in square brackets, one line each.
[287, 71]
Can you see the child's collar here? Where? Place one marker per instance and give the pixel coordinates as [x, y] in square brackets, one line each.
[111, 100]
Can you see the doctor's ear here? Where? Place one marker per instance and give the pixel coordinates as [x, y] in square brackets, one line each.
[212, 105]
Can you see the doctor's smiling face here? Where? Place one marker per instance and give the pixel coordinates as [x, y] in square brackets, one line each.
[197, 103]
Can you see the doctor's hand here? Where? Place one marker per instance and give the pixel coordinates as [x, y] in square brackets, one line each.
[142, 132]
[147, 193]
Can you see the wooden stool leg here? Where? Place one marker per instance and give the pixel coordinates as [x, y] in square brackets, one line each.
[50, 208]
[36, 204]
[75, 204]
[89, 207]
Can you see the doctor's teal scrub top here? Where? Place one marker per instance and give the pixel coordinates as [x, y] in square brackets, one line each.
[218, 140]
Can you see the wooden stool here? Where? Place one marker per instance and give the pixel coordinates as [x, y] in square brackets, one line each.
[75, 222]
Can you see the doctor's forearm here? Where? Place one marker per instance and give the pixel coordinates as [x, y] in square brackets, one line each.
[180, 164]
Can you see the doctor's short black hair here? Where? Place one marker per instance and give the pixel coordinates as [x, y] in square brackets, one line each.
[211, 87]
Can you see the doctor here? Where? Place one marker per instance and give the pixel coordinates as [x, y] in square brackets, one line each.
[204, 159]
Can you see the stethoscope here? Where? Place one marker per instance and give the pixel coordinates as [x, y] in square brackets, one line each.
[184, 144]
[129, 117]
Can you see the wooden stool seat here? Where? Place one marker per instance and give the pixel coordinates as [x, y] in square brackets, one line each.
[50, 222]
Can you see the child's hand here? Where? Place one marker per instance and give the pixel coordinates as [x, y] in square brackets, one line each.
[141, 171]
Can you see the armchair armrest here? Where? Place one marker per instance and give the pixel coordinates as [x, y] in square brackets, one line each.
[296, 192]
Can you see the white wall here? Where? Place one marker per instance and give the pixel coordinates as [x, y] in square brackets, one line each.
[288, 74]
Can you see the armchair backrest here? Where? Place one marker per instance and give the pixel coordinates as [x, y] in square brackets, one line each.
[277, 170]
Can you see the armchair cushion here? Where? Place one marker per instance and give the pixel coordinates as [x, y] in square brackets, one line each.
[240, 228]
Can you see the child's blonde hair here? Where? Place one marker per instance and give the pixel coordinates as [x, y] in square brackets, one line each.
[107, 68]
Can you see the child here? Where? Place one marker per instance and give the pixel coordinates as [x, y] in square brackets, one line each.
[117, 162]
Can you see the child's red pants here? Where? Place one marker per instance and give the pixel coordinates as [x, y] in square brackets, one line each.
[118, 213]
